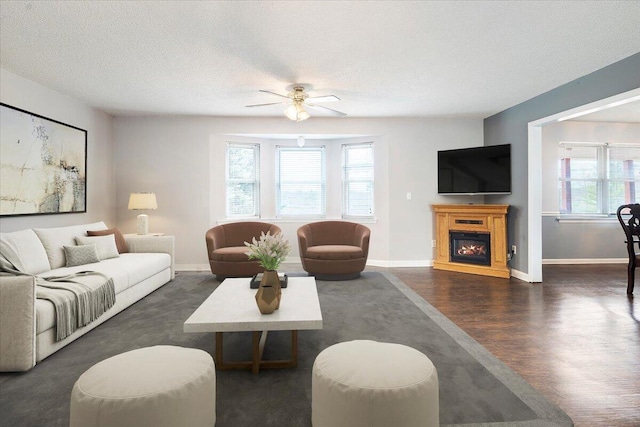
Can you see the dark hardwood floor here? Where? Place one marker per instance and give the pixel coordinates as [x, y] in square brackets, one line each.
[575, 337]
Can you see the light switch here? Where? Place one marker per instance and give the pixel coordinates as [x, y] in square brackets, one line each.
[408, 196]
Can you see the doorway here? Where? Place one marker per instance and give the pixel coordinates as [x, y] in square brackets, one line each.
[535, 171]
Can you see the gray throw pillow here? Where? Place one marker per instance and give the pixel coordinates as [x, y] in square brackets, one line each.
[80, 255]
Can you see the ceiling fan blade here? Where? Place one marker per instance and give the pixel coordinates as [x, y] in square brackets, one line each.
[330, 110]
[325, 98]
[263, 105]
[273, 93]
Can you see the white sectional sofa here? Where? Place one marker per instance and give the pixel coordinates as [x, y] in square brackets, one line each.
[27, 324]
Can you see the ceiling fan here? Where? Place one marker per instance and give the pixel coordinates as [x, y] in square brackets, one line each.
[298, 99]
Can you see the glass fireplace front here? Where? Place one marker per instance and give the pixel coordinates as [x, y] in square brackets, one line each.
[470, 248]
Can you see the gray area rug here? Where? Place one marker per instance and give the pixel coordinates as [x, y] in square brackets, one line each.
[476, 389]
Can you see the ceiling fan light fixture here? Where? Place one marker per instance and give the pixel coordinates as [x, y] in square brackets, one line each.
[291, 112]
[296, 112]
[302, 115]
[296, 101]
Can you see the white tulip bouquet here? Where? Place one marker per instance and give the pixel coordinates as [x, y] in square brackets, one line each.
[270, 250]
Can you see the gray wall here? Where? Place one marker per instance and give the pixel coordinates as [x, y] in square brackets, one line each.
[182, 160]
[510, 127]
[33, 97]
[582, 241]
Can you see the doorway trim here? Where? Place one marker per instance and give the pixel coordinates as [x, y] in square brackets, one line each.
[534, 181]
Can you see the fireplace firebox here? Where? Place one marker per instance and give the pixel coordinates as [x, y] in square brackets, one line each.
[470, 248]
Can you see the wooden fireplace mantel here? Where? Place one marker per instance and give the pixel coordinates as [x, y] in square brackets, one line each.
[489, 219]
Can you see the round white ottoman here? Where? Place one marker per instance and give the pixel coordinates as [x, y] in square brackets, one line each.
[161, 386]
[374, 384]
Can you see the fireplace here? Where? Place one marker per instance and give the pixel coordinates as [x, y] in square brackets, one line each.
[470, 247]
[472, 239]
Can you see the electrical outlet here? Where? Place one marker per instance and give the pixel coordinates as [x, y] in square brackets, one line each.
[514, 249]
[433, 243]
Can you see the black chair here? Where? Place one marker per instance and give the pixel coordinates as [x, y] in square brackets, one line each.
[632, 230]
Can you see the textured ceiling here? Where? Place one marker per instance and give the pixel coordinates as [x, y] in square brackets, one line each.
[627, 113]
[383, 59]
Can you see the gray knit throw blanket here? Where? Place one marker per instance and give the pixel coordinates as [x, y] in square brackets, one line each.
[76, 303]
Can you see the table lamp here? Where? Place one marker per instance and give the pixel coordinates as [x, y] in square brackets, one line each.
[143, 201]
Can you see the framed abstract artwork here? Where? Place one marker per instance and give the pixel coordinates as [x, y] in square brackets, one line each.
[43, 165]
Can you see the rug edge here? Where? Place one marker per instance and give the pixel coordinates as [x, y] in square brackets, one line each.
[548, 413]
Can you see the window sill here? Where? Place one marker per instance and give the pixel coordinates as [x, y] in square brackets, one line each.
[577, 219]
[297, 220]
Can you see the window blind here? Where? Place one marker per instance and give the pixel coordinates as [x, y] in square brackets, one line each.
[623, 173]
[301, 182]
[596, 178]
[579, 179]
[243, 180]
[357, 180]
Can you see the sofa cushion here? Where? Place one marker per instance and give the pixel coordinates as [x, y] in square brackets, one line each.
[121, 242]
[334, 252]
[80, 255]
[230, 254]
[25, 251]
[137, 266]
[126, 271]
[53, 239]
[106, 245]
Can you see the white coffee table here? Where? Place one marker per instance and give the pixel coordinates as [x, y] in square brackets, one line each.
[232, 308]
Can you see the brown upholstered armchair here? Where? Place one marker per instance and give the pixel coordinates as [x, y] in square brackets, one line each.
[631, 229]
[227, 251]
[334, 250]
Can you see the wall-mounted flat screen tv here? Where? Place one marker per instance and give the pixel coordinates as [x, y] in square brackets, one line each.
[479, 170]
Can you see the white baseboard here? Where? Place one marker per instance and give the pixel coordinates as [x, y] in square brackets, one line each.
[290, 260]
[586, 261]
[382, 263]
[429, 263]
[400, 263]
[520, 275]
[193, 267]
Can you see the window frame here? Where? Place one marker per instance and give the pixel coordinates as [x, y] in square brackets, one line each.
[345, 181]
[255, 181]
[603, 180]
[632, 183]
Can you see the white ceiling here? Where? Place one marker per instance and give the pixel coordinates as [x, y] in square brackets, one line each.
[383, 59]
[626, 113]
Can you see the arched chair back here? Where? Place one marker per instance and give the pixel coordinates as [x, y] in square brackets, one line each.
[226, 249]
[631, 227]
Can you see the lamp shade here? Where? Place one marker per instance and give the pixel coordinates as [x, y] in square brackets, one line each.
[291, 112]
[142, 201]
[296, 112]
[302, 115]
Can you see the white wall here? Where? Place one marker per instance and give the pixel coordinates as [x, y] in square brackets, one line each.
[582, 240]
[181, 159]
[33, 97]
